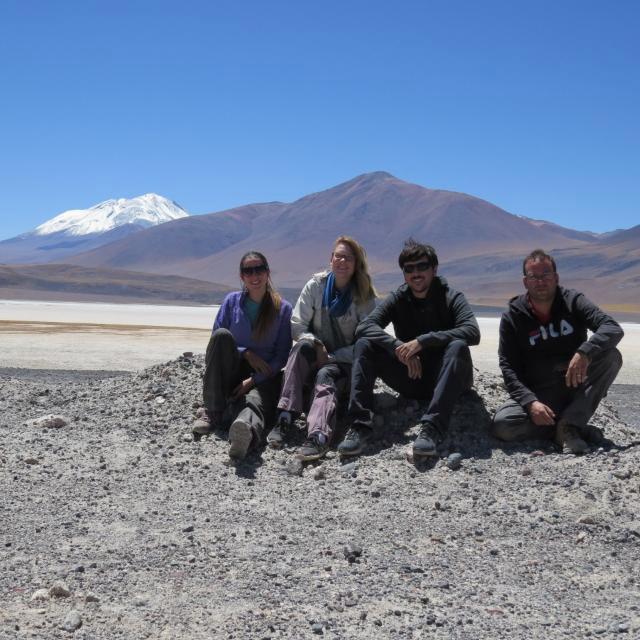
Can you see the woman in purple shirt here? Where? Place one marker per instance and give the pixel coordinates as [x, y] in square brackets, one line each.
[249, 346]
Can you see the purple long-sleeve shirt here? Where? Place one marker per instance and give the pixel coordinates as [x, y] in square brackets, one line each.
[273, 347]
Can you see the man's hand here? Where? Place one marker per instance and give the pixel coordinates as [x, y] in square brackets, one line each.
[322, 356]
[541, 414]
[414, 367]
[257, 363]
[408, 350]
[577, 370]
[242, 389]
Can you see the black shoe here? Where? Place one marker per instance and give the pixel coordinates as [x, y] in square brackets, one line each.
[278, 435]
[426, 444]
[312, 449]
[354, 442]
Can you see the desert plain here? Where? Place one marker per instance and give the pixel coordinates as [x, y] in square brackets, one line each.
[118, 523]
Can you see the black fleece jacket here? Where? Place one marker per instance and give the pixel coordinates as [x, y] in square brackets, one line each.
[444, 315]
[532, 355]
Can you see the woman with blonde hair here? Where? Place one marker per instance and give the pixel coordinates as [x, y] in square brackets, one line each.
[246, 352]
[324, 321]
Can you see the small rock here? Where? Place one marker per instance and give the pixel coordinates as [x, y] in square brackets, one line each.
[140, 601]
[72, 621]
[526, 471]
[454, 461]
[188, 529]
[50, 421]
[40, 594]
[187, 354]
[319, 474]
[59, 590]
[187, 437]
[350, 468]
[317, 628]
[622, 474]
[31, 461]
[160, 400]
[538, 453]
[586, 519]
[352, 552]
[91, 597]
[295, 467]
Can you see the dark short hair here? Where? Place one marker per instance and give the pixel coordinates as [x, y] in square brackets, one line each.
[413, 251]
[538, 255]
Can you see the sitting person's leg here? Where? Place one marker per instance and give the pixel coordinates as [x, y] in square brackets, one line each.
[331, 381]
[299, 368]
[371, 361]
[221, 375]
[601, 373]
[511, 423]
[257, 409]
[449, 374]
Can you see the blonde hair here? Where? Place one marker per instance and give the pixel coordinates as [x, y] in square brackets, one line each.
[362, 287]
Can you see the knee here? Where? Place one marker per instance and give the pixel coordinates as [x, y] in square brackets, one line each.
[324, 377]
[458, 349]
[222, 335]
[304, 349]
[362, 346]
[614, 360]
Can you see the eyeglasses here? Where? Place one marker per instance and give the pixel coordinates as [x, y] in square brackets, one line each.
[417, 266]
[342, 257]
[547, 275]
[257, 270]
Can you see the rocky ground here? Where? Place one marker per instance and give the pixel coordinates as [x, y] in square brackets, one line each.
[117, 524]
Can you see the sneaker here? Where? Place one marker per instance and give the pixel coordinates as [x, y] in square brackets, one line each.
[426, 444]
[240, 437]
[354, 442]
[206, 422]
[567, 437]
[278, 435]
[312, 448]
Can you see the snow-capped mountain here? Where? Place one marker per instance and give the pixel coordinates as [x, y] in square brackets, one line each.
[144, 211]
[81, 230]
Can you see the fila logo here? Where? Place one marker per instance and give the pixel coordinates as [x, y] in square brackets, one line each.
[550, 332]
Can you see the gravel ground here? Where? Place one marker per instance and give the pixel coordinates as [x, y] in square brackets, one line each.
[117, 524]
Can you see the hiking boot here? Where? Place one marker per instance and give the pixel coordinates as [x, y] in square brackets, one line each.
[312, 448]
[354, 442]
[278, 435]
[567, 437]
[240, 437]
[426, 444]
[207, 422]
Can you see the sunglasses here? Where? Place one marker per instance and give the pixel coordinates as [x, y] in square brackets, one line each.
[257, 270]
[418, 266]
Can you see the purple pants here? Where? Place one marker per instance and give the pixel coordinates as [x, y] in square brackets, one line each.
[329, 383]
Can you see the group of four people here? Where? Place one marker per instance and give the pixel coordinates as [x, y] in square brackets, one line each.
[555, 374]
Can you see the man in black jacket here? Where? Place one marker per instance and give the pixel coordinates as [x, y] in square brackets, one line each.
[428, 359]
[554, 375]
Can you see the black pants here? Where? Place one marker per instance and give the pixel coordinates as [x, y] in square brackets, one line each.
[446, 373]
[576, 405]
[224, 371]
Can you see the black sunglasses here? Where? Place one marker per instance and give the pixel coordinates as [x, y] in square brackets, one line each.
[420, 266]
[257, 270]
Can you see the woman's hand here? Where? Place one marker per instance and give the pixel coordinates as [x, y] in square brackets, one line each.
[257, 363]
[242, 389]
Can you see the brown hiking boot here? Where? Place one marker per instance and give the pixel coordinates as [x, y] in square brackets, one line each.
[567, 437]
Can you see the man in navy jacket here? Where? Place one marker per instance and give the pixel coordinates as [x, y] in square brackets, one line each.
[555, 376]
[428, 359]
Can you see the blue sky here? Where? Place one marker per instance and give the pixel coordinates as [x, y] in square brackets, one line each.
[531, 105]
